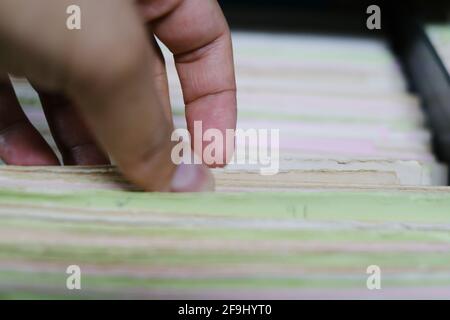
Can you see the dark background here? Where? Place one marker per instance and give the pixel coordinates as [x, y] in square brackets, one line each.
[327, 15]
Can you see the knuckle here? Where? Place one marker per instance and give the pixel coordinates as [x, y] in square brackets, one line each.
[154, 9]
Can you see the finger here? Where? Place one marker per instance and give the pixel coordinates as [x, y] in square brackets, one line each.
[73, 138]
[20, 142]
[197, 34]
[117, 97]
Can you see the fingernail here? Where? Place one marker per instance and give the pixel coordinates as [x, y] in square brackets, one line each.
[192, 178]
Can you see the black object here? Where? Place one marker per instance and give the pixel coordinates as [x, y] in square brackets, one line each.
[427, 74]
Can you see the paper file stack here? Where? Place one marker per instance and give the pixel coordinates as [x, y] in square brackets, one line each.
[358, 186]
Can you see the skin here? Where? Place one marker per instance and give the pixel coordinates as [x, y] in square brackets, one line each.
[104, 88]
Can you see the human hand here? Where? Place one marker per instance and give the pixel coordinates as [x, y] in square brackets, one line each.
[104, 88]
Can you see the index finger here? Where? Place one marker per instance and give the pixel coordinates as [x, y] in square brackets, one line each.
[198, 35]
